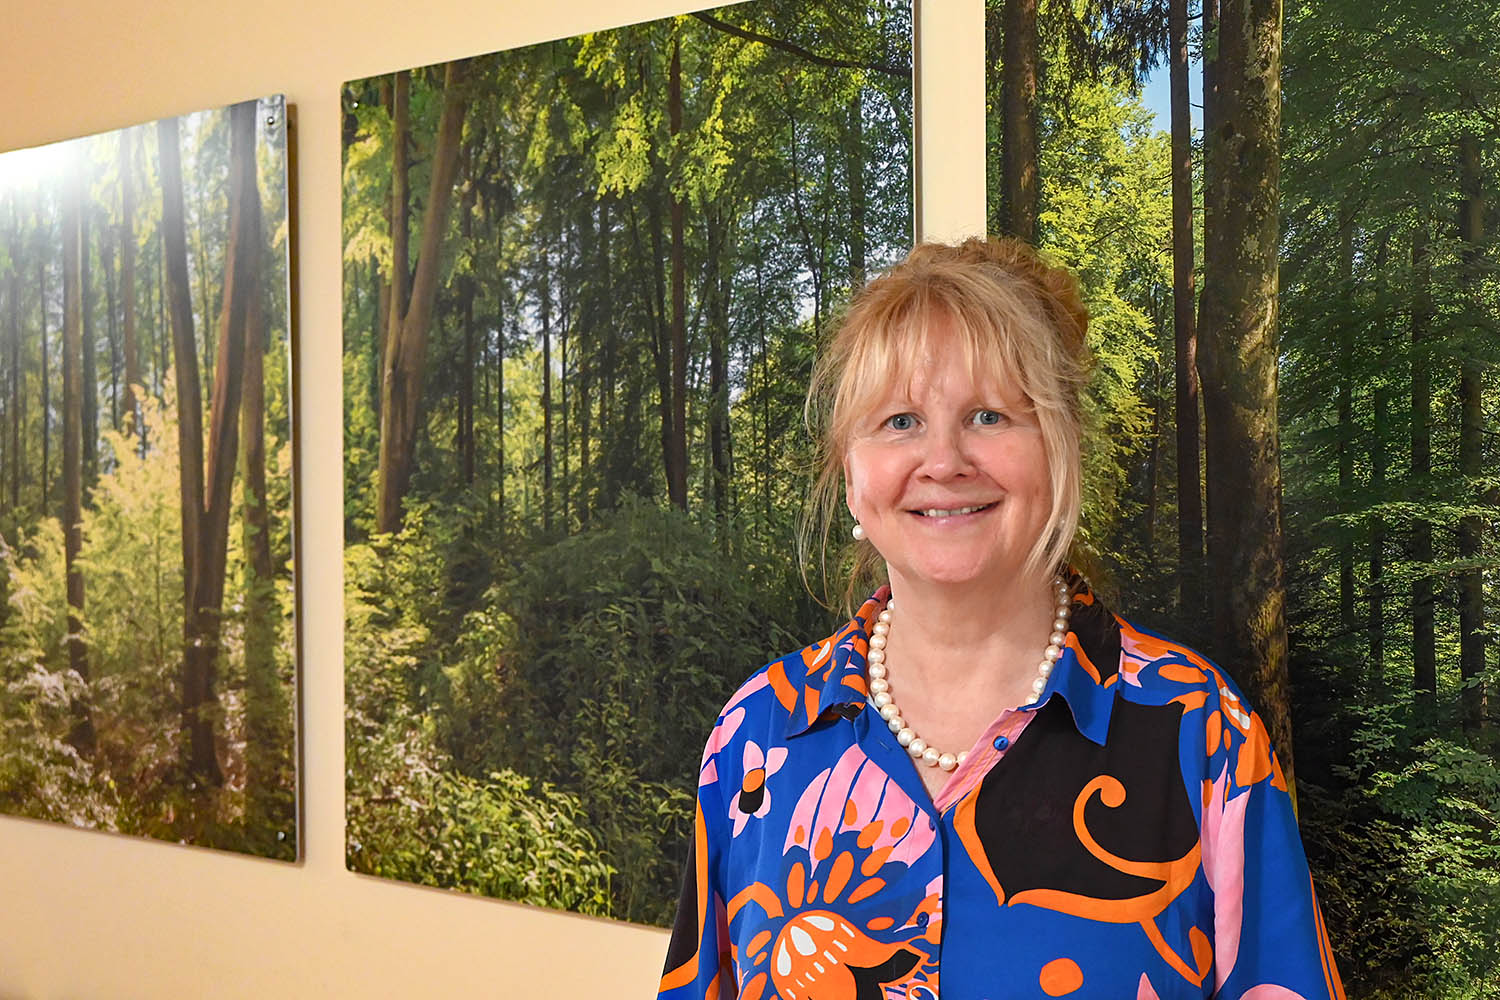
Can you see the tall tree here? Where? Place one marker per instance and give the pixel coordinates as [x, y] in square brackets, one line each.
[1346, 323]
[717, 295]
[677, 448]
[1184, 308]
[1019, 68]
[1470, 437]
[1238, 357]
[82, 735]
[17, 383]
[46, 372]
[406, 335]
[206, 497]
[267, 735]
[90, 376]
[1423, 597]
[127, 280]
[544, 301]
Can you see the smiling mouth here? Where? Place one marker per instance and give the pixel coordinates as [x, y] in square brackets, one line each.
[952, 511]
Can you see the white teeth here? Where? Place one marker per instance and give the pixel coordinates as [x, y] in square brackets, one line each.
[934, 512]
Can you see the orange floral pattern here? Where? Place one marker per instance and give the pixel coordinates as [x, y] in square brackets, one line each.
[1129, 835]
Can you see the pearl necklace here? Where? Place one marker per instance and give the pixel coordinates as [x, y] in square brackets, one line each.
[880, 688]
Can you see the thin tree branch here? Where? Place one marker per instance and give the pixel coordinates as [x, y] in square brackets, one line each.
[899, 72]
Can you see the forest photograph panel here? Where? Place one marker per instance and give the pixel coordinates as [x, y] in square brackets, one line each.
[583, 281]
[1294, 460]
[147, 641]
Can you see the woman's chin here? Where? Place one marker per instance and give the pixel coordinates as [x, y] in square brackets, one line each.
[959, 575]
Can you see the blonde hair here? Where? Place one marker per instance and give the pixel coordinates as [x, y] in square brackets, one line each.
[1017, 318]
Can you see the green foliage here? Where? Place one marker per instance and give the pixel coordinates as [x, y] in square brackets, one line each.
[132, 561]
[42, 775]
[410, 814]
[531, 616]
[1408, 852]
[1106, 214]
[412, 817]
[603, 674]
[123, 772]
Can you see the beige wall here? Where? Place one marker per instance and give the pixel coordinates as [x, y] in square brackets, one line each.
[87, 915]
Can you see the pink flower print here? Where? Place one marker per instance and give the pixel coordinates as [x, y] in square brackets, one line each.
[754, 798]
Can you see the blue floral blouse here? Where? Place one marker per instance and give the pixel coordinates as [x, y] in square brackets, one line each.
[1129, 835]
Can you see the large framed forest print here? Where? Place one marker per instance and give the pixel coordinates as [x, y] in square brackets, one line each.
[147, 638]
[1285, 230]
[583, 282]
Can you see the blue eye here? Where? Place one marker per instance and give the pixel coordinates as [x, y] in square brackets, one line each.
[901, 422]
[988, 418]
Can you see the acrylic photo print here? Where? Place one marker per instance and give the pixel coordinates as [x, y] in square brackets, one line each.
[147, 638]
[583, 282]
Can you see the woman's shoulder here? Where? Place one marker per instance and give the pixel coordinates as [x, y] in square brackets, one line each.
[1160, 670]
[1153, 662]
[791, 692]
[796, 685]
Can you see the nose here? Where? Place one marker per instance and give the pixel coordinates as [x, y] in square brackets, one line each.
[945, 456]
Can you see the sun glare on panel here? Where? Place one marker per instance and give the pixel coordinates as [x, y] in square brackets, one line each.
[24, 167]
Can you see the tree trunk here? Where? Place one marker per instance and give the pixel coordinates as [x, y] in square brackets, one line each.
[1375, 627]
[765, 387]
[1190, 588]
[127, 282]
[718, 376]
[677, 465]
[267, 721]
[500, 398]
[197, 692]
[46, 381]
[89, 388]
[1153, 469]
[500, 419]
[1018, 148]
[396, 211]
[406, 337]
[661, 340]
[599, 321]
[544, 300]
[1423, 623]
[206, 497]
[205, 299]
[811, 251]
[1346, 424]
[17, 383]
[160, 356]
[1237, 359]
[464, 432]
[1471, 441]
[111, 322]
[241, 267]
[1379, 465]
[564, 314]
[855, 166]
[607, 374]
[82, 733]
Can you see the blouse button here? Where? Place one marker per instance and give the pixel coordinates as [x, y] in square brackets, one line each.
[1001, 742]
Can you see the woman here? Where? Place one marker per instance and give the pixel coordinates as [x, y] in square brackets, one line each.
[984, 784]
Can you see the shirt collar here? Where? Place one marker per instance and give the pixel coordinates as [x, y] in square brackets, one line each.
[834, 681]
[835, 670]
[1086, 673]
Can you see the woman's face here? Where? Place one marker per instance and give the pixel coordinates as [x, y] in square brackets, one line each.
[948, 473]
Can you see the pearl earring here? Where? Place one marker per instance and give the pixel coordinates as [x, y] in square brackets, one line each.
[858, 531]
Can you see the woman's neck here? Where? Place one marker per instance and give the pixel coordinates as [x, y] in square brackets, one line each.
[969, 640]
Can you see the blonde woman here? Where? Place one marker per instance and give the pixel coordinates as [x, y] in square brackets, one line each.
[985, 784]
